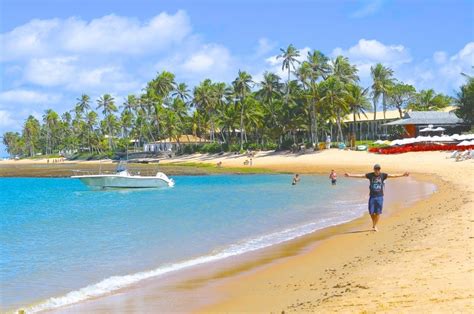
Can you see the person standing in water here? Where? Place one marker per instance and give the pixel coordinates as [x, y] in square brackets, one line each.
[376, 186]
[296, 179]
[333, 177]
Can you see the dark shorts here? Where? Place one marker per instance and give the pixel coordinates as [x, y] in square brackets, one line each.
[375, 204]
[333, 181]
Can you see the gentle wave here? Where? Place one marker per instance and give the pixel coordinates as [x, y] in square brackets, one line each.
[114, 283]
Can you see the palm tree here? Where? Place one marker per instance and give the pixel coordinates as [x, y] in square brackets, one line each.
[51, 121]
[429, 100]
[182, 92]
[357, 101]
[319, 63]
[289, 57]
[344, 71]
[106, 102]
[30, 133]
[382, 78]
[204, 100]
[465, 101]
[270, 89]
[333, 91]
[242, 85]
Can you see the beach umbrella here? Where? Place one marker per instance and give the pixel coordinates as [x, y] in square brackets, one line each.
[426, 130]
[439, 129]
[446, 138]
[464, 143]
[395, 142]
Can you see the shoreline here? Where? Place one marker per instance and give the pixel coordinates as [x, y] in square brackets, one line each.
[232, 294]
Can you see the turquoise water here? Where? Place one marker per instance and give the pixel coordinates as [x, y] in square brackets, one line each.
[61, 243]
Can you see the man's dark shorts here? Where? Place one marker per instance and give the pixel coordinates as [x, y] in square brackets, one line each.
[375, 204]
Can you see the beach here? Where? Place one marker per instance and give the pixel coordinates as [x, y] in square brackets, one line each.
[420, 260]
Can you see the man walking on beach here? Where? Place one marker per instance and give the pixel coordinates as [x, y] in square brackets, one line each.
[376, 186]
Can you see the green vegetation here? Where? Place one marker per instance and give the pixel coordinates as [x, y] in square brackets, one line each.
[312, 101]
[465, 100]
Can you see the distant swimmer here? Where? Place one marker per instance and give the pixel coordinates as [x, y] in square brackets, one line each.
[333, 177]
[296, 179]
[376, 187]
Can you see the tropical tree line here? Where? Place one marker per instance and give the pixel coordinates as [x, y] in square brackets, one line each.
[312, 101]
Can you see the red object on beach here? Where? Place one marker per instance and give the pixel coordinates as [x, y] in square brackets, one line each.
[419, 148]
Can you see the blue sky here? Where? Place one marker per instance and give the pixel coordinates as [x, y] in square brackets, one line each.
[52, 51]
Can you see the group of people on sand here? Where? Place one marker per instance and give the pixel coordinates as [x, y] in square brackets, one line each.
[55, 160]
[249, 160]
[376, 189]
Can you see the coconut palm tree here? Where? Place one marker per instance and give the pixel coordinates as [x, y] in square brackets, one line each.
[51, 122]
[106, 102]
[382, 78]
[319, 63]
[429, 100]
[357, 101]
[242, 85]
[30, 134]
[182, 92]
[270, 88]
[290, 57]
[343, 70]
[333, 91]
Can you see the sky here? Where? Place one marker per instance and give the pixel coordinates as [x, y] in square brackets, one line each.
[52, 51]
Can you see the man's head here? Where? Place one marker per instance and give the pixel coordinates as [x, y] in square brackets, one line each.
[377, 169]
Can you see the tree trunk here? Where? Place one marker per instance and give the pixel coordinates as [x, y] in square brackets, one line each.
[375, 108]
[242, 125]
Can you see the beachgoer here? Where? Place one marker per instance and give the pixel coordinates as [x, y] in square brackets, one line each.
[376, 187]
[328, 142]
[219, 164]
[246, 162]
[296, 179]
[333, 177]
[251, 161]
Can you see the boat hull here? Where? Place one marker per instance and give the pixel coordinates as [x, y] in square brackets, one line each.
[118, 181]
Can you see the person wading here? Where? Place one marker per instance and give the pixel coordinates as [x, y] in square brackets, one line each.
[376, 186]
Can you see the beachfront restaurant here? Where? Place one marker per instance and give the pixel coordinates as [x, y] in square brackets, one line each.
[366, 127]
[172, 144]
[418, 123]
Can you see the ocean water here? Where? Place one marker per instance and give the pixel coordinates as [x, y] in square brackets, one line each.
[61, 243]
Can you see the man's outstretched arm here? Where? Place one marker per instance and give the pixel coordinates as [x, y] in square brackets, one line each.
[406, 174]
[349, 175]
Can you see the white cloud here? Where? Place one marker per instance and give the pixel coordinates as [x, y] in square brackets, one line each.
[23, 96]
[50, 71]
[443, 72]
[199, 62]
[373, 51]
[6, 119]
[440, 57]
[264, 47]
[370, 7]
[105, 35]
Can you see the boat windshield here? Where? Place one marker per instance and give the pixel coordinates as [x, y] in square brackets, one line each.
[121, 167]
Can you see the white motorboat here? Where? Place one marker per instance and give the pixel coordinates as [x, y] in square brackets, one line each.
[124, 179]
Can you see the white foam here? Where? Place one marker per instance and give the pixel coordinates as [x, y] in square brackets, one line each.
[114, 283]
